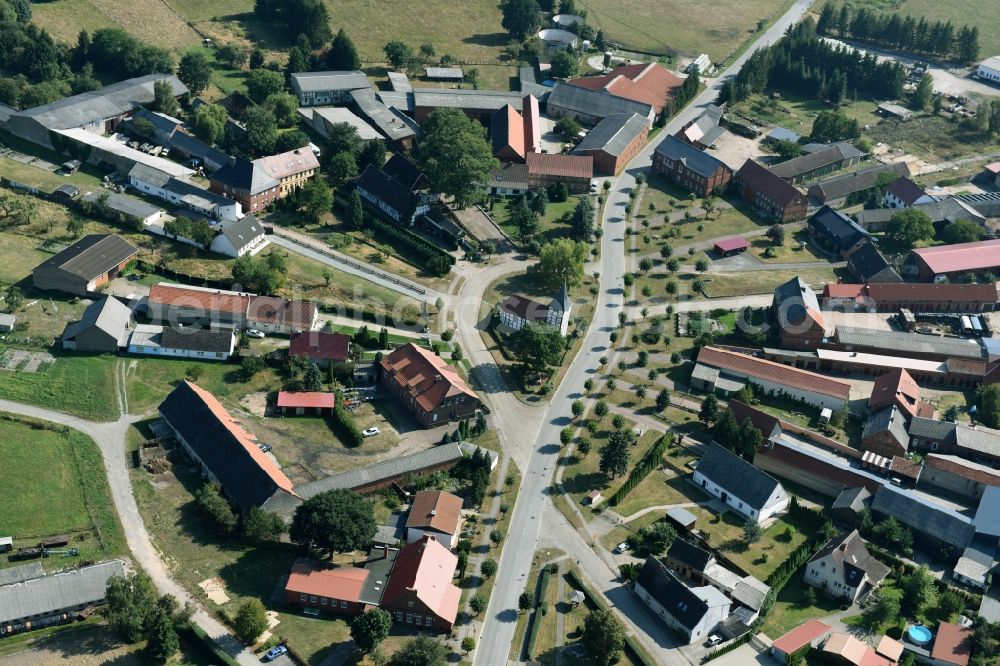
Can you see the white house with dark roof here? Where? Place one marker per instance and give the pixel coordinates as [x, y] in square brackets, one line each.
[844, 568]
[183, 193]
[903, 193]
[694, 612]
[517, 311]
[240, 237]
[747, 490]
[197, 343]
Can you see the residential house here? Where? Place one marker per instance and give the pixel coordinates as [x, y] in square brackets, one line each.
[847, 650]
[37, 599]
[104, 328]
[952, 645]
[952, 263]
[321, 347]
[752, 493]
[301, 403]
[727, 372]
[687, 560]
[694, 612]
[771, 194]
[435, 513]
[818, 163]
[972, 442]
[903, 193]
[838, 188]
[977, 563]
[614, 142]
[272, 314]
[588, 106]
[197, 343]
[575, 171]
[884, 433]
[811, 633]
[225, 453]
[419, 591]
[327, 88]
[86, 265]
[185, 304]
[867, 264]
[291, 169]
[836, 231]
[313, 584]
[703, 131]
[897, 388]
[507, 134]
[248, 183]
[431, 389]
[510, 179]
[958, 475]
[389, 197]
[240, 237]
[184, 194]
[941, 211]
[516, 311]
[844, 568]
[930, 521]
[797, 311]
[689, 167]
[645, 83]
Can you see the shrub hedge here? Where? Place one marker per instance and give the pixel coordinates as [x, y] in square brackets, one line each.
[651, 461]
[345, 420]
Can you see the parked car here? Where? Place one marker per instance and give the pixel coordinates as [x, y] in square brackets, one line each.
[370, 432]
[264, 447]
[620, 548]
[713, 640]
[275, 652]
[254, 333]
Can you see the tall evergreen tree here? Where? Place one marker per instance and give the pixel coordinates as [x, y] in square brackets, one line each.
[342, 54]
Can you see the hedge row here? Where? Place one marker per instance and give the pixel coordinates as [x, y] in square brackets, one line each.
[651, 461]
[637, 651]
[409, 239]
[346, 421]
[536, 622]
[224, 657]
[729, 647]
[543, 584]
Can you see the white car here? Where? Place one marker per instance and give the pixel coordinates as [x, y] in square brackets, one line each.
[370, 432]
[254, 333]
[713, 640]
[620, 548]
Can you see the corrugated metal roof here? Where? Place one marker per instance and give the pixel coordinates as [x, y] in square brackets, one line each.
[596, 103]
[924, 516]
[613, 134]
[67, 589]
[355, 478]
[482, 100]
[91, 256]
[976, 256]
[323, 81]
[895, 342]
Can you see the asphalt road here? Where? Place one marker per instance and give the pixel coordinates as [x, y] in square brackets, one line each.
[522, 538]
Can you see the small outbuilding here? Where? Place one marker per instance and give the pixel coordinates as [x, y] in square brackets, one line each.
[593, 498]
[305, 402]
[454, 74]
[7, 322]
[6, 544]
[730, 246]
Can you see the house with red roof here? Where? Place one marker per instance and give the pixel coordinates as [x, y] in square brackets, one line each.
[320, 347]
[952, 263]
[305, 402]
[898, 388]
[420, 592]
[952, 645]
[436, 513]
[849, 650]
[992, 173]
[575, 171]
[915, 297]
[507, 134]
[809, 634]
[321, 585]
[727, 247]
[648, 83]
[273, 314]
[428, 387]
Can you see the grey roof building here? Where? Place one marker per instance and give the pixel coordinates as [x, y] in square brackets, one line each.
[950, 209]
[400, 82]
[132, 207]
[91, 110]
[885, 430]
[836, 229]
[239, 237]
[613, 134]
[700, 162]
[103, 328]
[323, 88]
[895, 343]
[824, 160]
[63, 592]
[21, 572]
[693, 611]
[739, 484]
[867, 264]
[244, 175]
[590, 106]
[395, 126]
[987, 518]
[444, 73]
[510, 178]
[704, 130]
[924, 516]
[977, 562]
[426, 99]
[834, 189]
[849, 504]
[84, 265]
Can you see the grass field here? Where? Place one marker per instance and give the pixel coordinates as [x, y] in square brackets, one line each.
[686, 26]
[933, 138]
[791, 608]
[54, 483]
[758, 282]
[550, 229]
[153, 21]
[80, 385]
[797, 113]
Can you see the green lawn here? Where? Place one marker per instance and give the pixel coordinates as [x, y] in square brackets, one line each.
[727, 536]
[54, 483]
[715, 29]
[658, 489]
[722, 285]
[80, 385]
[551, 228]
[797, 113]
[791, 609]
[933, 138]
[153, 21]
[796, 248]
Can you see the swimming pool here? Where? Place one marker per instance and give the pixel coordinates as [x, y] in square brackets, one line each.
[919, 634]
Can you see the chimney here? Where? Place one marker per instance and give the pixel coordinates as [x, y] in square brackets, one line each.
[434, 512]
[385, 552]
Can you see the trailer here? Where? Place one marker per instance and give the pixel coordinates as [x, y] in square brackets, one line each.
[55, 541]
[26, 554]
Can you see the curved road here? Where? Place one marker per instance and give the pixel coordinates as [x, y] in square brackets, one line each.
[110, 438]
[522, 538]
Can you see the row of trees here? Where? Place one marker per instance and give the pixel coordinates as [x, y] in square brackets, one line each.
[905, 33]
[135, 611]
[803, 64]
[297, 17]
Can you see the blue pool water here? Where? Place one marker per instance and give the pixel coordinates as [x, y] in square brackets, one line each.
[919, 634]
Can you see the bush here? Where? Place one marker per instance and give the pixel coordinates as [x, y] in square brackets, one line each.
[345, 421]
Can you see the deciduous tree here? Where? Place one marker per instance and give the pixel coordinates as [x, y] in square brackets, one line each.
[603, 637]
[337, 521]
[370, 628]
[194, 71]
[455, 155]
[250, 621]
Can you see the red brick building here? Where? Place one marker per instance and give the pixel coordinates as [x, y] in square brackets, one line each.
[771, 194]
[648, 83]
[614, 142]
[689, 167]
[431, 389]
[891, 297]
[320, 347]
[313, 584]
[546, 169]
[419, 591]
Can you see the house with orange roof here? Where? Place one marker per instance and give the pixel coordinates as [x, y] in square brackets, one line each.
[305, 402]
[898, 388]
[185, 304]
[797, 311]
[420, 592]
[313, 584]
[808, 634]
[437, 513]
[507, 134]
[431, 389]
[225, 453]
[846, 649]
[952, 645]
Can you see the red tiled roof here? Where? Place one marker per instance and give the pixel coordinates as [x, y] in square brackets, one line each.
[774, 372]
[979, 255]
[203, 299]
[837, 290]
[285, 165]
[323, 580]
[801, 636]
[511, 124]
[904, 467]
[245, 439]
[895, 387]
[953, 644]
[426, 567]
[761, 180]
[296, 315]
[305, 399]
[557, 164]
[532, 127]
[425, 376]
[889, 648]
[320, 345]
[965, 469]
[847, 647]
[730, 244]
[436, 510]
[646, 83]
[993, 168]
